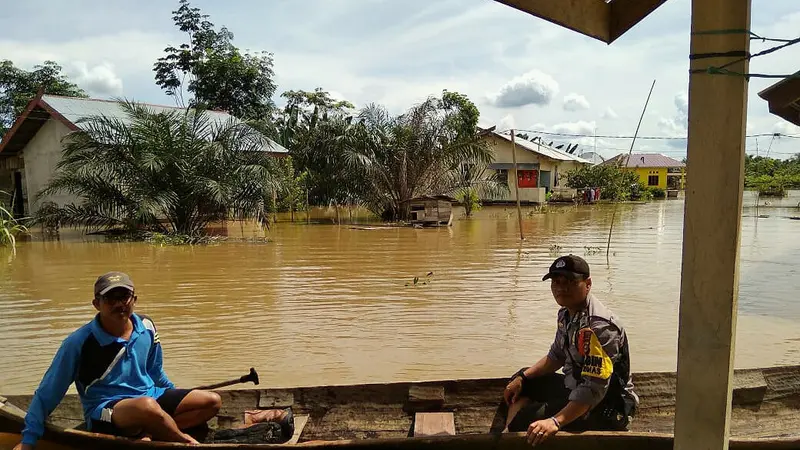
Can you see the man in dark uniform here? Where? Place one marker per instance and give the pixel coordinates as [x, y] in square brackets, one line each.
[595, 392]
[116, 365]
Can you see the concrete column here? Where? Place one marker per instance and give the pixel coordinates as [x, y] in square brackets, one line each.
[710, 272]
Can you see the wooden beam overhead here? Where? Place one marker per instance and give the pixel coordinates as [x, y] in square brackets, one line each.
[588, 17]
[594, 18]
[625, 14]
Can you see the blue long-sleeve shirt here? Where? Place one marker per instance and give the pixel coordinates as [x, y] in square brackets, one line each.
[104, 368]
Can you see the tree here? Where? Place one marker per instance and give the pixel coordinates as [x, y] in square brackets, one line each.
[615, 183]
[214, 71]
[772, 177]
[422, 152]
[294, 185]
[304, 110]
[322, 152]
[174, 172]
[18, 87]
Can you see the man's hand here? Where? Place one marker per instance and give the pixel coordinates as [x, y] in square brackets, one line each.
[540, 430]
[513, 390]
[22, 446]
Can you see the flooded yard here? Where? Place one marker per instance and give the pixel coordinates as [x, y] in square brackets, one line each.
[326, 304]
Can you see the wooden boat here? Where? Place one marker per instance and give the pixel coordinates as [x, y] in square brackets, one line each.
[456, 414]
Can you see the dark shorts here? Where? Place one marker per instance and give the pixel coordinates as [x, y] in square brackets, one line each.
[168, 401]
[548, 395]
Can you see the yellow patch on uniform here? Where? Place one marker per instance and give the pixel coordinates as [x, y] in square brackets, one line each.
[156, 339]
[596, 362]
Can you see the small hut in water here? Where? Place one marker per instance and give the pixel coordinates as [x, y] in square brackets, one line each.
[432, 210]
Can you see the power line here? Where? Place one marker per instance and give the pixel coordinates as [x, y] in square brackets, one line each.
[662, 138]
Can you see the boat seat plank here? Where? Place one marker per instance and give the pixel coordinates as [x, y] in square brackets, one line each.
[430, 398]
[300, 422]
[749, 387]
[434, 424]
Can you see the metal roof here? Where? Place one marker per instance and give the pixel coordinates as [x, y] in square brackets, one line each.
[542, 149]
[70, 110]
[645, 160]
[594, 157]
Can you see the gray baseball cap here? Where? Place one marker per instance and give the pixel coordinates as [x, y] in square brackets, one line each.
[111, 280]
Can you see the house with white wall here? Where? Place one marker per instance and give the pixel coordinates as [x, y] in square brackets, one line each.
[540, 167]
[32, 148]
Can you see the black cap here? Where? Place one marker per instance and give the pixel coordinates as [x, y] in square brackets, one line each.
[570, 266]
[110, 281]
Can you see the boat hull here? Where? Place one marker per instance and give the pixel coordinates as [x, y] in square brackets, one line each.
[765, 415]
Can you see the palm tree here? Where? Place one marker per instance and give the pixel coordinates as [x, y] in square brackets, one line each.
[431, 149]
[173, 171]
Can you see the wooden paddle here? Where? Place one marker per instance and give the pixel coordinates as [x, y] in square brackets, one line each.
[252, 376]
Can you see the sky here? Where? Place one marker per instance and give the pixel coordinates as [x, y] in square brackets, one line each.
[522, 72]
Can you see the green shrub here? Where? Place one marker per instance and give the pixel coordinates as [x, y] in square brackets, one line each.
[657, 192]
[614, 183]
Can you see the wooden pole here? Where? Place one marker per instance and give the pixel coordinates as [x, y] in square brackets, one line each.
[712, 224]
[516, 184]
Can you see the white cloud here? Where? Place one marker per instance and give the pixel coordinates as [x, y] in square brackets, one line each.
[579, 127]
[539, 127]
[678, 125]
[682, 104]
[129, 51]
[507, 123]
[532, 88]
[784, 127]
[576, 102]
[609, 114]
[99, 80]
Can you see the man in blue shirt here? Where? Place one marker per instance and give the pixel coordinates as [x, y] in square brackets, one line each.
[115, 363]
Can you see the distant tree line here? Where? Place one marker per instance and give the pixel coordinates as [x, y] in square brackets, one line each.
[770, 176]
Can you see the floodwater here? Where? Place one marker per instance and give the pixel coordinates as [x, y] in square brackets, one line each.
[326, 304]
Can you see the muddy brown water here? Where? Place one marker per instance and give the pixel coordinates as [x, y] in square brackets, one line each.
[326, 304]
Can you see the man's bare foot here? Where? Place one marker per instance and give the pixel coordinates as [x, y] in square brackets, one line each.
[190, 440]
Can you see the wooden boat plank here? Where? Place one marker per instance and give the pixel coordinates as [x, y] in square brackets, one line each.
[234, 404]
[782, 381]
[300, 422]
[359, 421]
[279, 398]
[434, 424]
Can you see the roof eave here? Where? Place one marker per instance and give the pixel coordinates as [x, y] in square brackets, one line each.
[783, 98]
[32, 104]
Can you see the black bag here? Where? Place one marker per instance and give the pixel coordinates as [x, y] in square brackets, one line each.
[617, 408]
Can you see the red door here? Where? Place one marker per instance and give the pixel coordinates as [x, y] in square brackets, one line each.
[527, 179]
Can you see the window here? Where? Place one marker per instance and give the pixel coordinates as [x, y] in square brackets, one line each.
[652, 180]
[502, 176]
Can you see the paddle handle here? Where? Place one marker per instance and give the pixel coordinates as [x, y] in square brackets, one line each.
[252, 376]
[219, 385]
